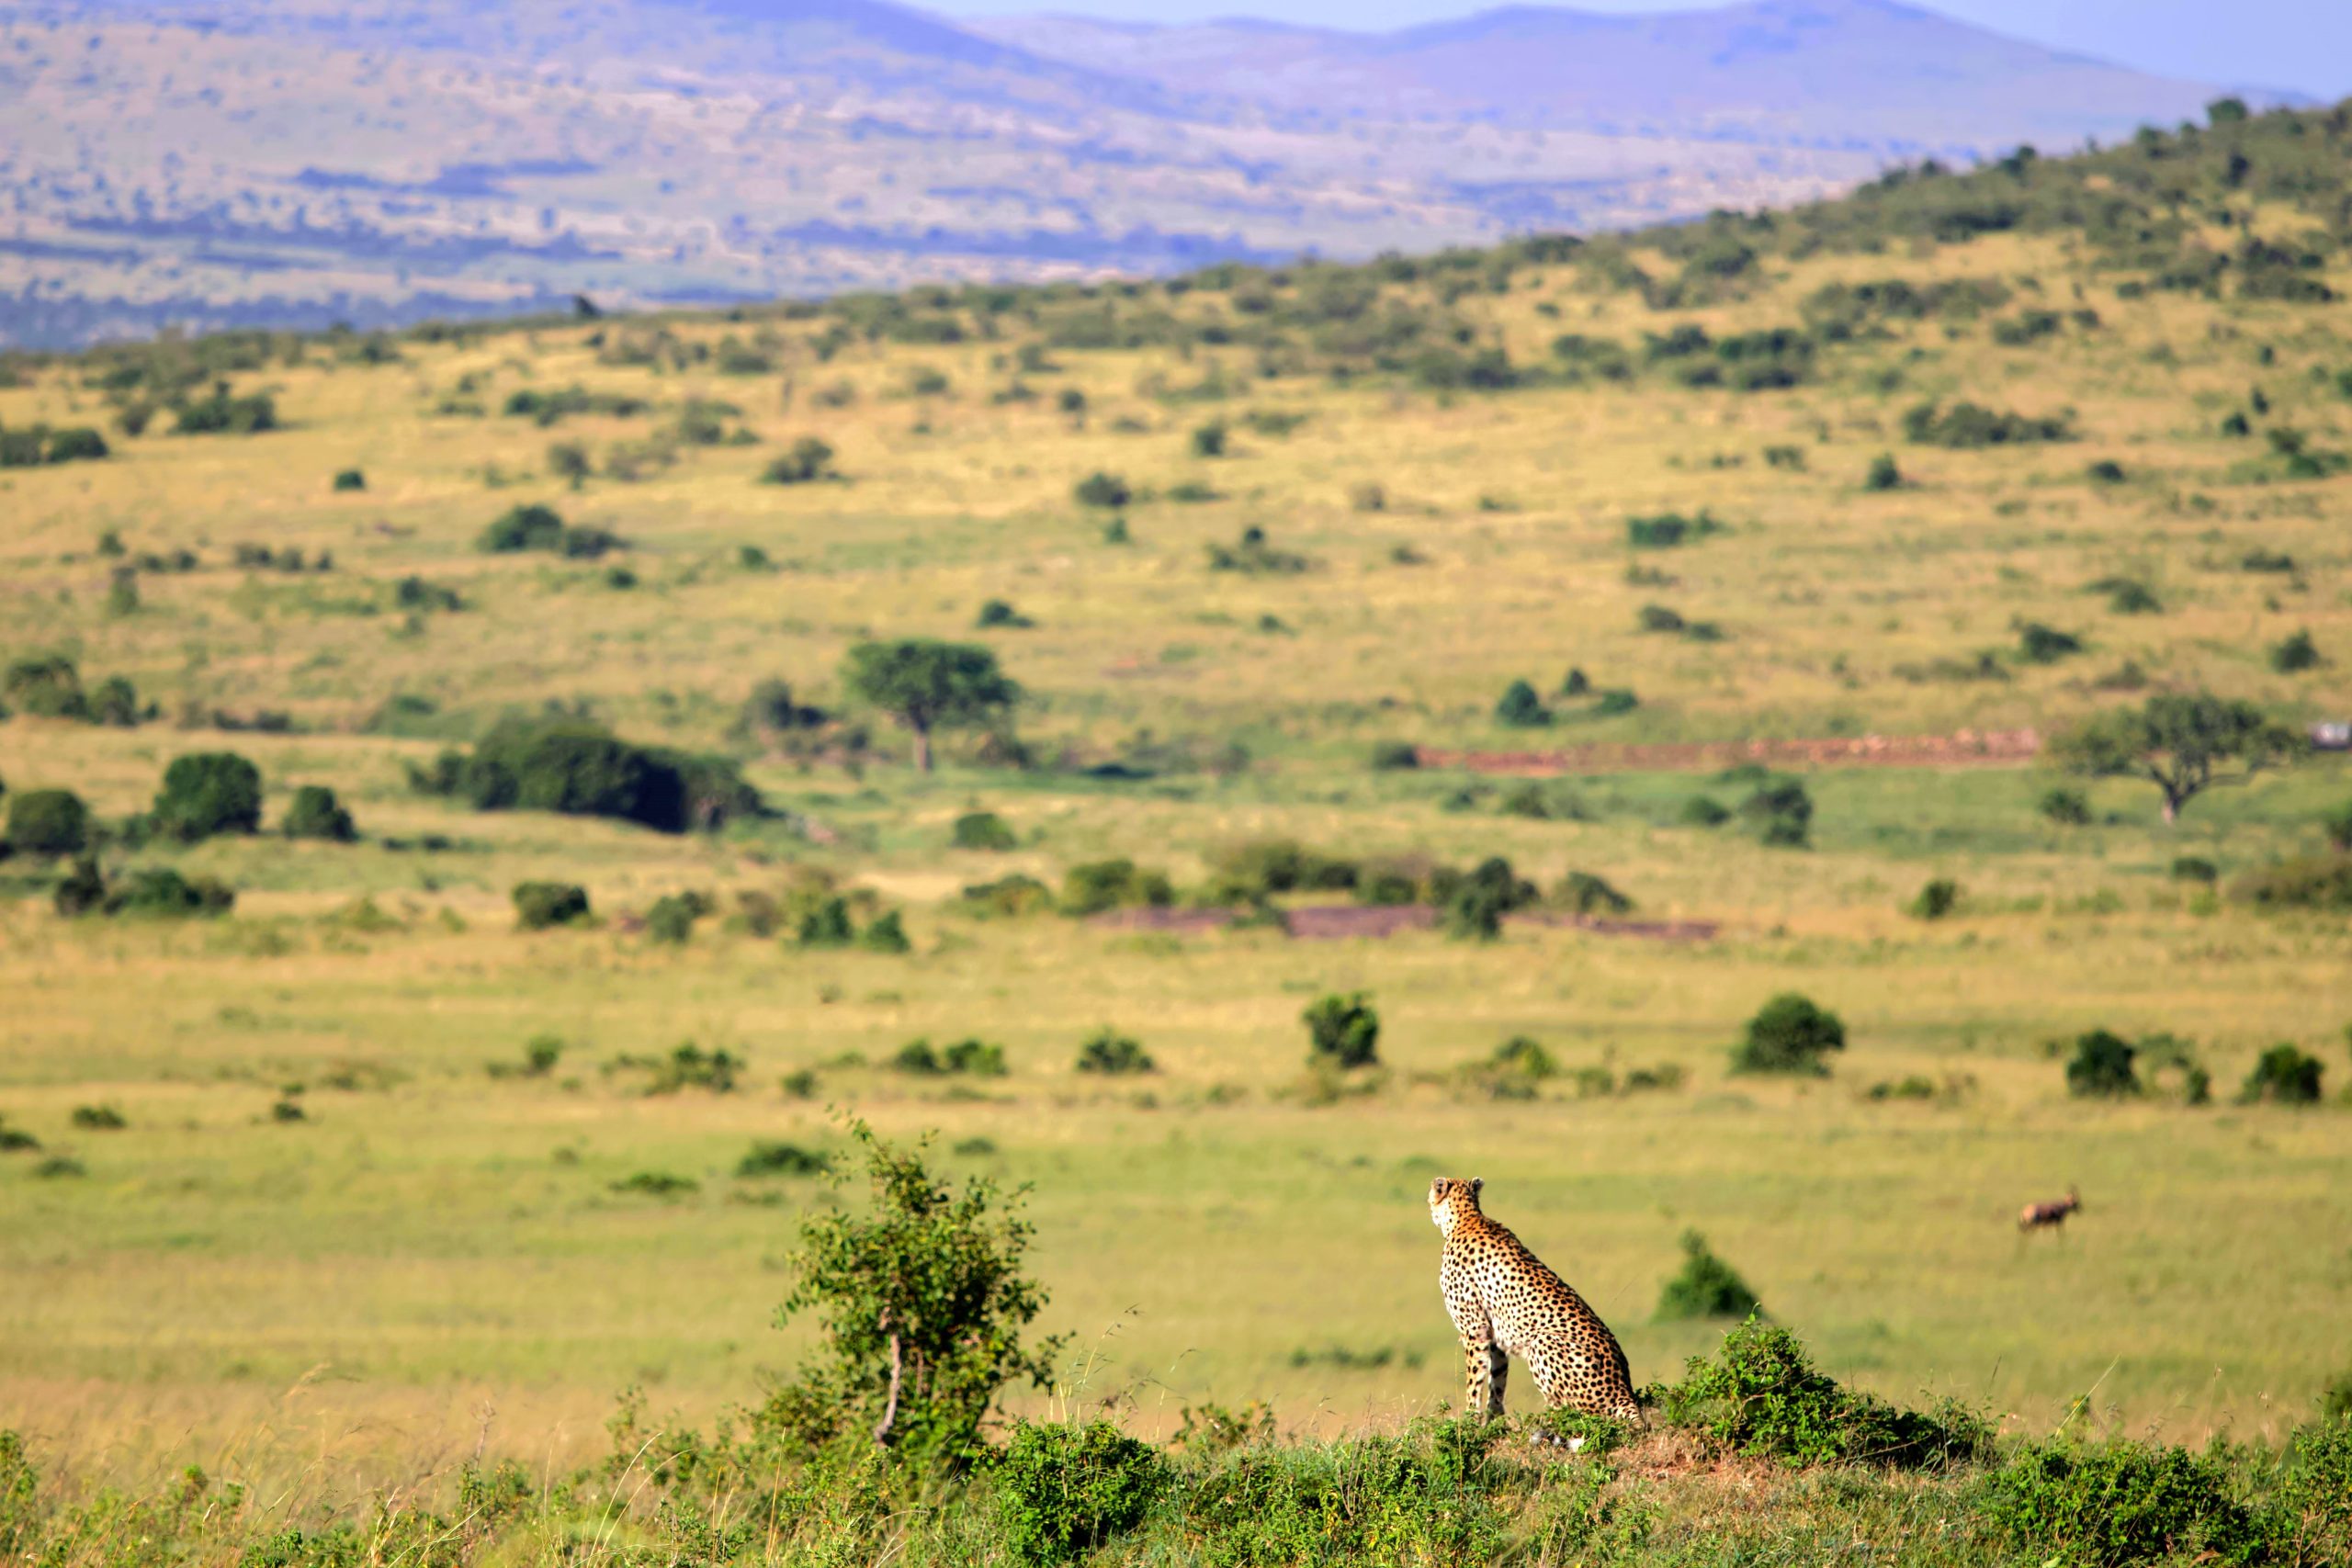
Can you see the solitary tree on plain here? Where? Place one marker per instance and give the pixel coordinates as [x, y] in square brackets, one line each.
[2184, 744]
[927, 685]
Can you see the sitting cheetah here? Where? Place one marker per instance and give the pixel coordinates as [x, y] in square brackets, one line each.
[1504, 1302]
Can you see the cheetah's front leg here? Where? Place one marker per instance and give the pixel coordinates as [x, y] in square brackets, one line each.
[1485, 1370]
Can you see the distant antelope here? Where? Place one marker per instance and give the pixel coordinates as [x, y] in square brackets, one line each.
[2049, 1216]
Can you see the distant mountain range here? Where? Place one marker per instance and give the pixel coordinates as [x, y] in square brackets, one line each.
[222, 162]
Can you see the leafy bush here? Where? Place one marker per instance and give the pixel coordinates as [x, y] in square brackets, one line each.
[541, 905]
[983, 831]
[886, 933]
[1395, 756]
[1763, 1397]
[1103, 490]
[1065, 1491]
[2282, 1076]
[1706, 1287]
[2295, 654]
[1256, 868]
[46, 687]
[349, 479]
[159, 891]
[997, 612]
[920, 1304]
[208, 793]
[1701, 811]
[222, 414]
[1789, 1034]
[1520, 708]
[2067, 807]
[1583, 893]
[2194, 868]
[1013, 895]
[1883, 475]
[2037, 644]
[661, 1184]
[1475, 905]
[672, 918]
[1253, 555]
[47, 822]
[580, 768]
[1669, 530]
[1936, 900]
[1097, 885]
[1343, 1030]
[1111, 1052]
[99, 1119]
[827, 923]
[807, 461]
[314, 813]
[521, 528]
[1780, 812]
[2102, 1067]
[767, 1157]
[1965, 425]
[2122, 1503]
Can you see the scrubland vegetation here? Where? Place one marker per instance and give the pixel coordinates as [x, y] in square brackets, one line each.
[458, 924]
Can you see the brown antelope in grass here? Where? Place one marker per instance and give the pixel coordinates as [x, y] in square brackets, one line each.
[2049, 1216]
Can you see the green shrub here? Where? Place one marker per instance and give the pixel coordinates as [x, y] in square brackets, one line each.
[1065, 1491]
[1343, 1030]
[1965, 425]
[766, 1157]
[1762, 1396]
[209, 793]
[1113, 1054]
[1935, 900]
[1701, 811]
[2194, 868]
[2295, 654]
[2067, 807]
[672, 918]
[2122, 1503]
[531, 527]
[1520, 708]
[539, 905]
[1097, 885]
[1011, 896]
[2106, 472]
[1780, 812]
[999, 613]
[222, 414]
[1583, 893]
[1254, 555]
[1103, 490]
[1395, 756]
[1706, 1287]
[2282, 1076]
[2102, 1067]
[314, 813]
[827, 923]
[2309, 1519]
[1256, 868]
[983, 831]
[580, 768]
[47, 687]
[2037, 644]
[1431, 1494]
[47, 822]
[920, 1306]
[1668, 529]
[99, 1119]
[688, 1066]
[661, 1184]
[161, 891]
[808, 460]
[1660, 618]
[886, 933]
[1789, 1034]
[349, 479]
[1475, 905]
[1883, 475]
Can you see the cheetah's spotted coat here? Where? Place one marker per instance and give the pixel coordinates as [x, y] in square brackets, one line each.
[1505, 1303]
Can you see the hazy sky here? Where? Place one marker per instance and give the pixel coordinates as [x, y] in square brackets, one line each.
[2301, 44]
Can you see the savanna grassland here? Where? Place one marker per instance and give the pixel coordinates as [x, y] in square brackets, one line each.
[348, 1232]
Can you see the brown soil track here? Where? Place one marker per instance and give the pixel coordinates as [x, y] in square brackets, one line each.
[1339, 922]
[1963, 749]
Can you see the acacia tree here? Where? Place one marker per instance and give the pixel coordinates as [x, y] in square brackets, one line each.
[926, 685]
[2182, 743]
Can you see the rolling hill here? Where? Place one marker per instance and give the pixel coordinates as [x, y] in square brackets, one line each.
[225, 162]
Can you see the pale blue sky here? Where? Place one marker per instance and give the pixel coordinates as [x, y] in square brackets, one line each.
[2300, 44]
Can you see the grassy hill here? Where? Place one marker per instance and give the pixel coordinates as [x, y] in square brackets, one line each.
[1252, 531]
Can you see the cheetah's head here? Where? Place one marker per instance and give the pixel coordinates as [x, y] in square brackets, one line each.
[1450, 1198]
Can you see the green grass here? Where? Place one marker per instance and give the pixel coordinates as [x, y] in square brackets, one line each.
[332, 1299]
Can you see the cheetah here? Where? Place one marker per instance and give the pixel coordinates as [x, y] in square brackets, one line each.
[1504, 1302]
